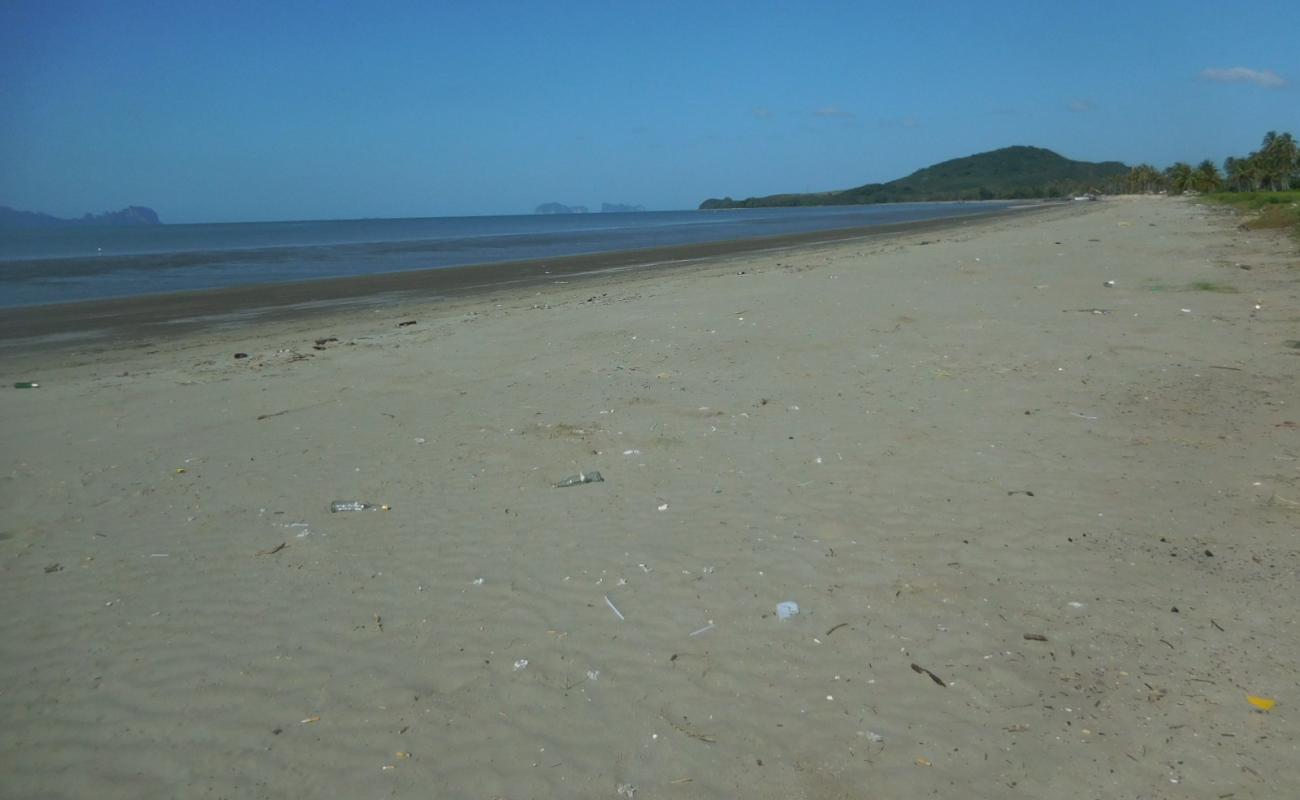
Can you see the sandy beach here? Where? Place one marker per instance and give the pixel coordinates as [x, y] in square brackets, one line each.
[1042, 531]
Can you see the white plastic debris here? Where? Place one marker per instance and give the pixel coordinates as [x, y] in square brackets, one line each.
[705, 629]
[787, 609]
[614, 608]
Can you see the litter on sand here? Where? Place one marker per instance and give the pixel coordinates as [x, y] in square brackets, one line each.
[355, 505]
[614, 608]
[579, 479]
[920, 670]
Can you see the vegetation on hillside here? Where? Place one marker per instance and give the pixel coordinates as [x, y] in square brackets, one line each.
[1033, 172]
[1009, 173]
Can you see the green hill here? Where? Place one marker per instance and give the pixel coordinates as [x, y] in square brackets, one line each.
[1009, 173]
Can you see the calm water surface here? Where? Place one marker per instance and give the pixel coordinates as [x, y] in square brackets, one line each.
[57, 265]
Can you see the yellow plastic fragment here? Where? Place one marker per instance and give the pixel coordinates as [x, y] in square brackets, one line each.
[1262, 703]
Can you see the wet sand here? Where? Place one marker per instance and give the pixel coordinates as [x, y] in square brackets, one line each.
[1043, 532]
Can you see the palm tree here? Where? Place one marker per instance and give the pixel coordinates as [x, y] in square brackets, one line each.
[1276, 160]
[1235, 170]
[1280, 151]
[1276, 165]
[1247, 174]
[1144, 179]
[1254, 171]
[1179, 177]
[1206, 178]
[1264, 158]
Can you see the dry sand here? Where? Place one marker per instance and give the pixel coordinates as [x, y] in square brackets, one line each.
[929, 441]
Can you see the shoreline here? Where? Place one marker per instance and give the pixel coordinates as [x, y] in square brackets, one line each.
[77, 323]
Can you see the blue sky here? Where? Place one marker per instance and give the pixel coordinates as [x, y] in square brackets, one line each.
[273, 110]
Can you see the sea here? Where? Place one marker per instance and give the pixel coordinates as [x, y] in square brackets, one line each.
[40, 266]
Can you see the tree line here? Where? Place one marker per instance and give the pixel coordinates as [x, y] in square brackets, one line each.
[1275, 166]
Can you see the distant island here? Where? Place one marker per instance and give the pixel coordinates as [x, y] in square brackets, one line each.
[559, 208]
[131, 215]
[605, 208]
[1011, 173]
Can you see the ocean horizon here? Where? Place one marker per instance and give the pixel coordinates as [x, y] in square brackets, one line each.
[57, 265]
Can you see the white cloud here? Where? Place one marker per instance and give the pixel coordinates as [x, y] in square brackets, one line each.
[1082, 106]
[833, 112]
[1266, 77]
